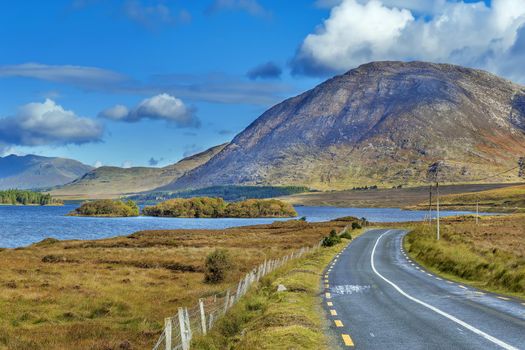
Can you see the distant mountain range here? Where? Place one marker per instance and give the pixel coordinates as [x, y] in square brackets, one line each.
[384, 124]
[35, 172]
[110, 182]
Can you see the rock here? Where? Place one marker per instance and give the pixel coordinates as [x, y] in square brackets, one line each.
[281, 288]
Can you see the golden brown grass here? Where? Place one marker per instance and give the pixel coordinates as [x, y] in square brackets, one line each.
[115, 293]
[490, 255]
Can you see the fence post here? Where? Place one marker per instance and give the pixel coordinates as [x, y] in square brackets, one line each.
[183, 334]
[227, 301]
[167, 332]
[203, 316]
[188, 326]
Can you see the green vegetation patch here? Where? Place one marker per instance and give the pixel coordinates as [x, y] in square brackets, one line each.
[21, 197]
[204, 207]
[479, 255]
[228, 193]
[107, 208]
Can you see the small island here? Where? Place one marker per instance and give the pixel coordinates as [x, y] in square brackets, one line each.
[23, 197]
[205, 207]
[107, 208]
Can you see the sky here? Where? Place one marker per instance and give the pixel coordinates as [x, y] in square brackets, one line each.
[148, 82]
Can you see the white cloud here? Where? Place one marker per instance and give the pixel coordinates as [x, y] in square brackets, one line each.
[98, 164]
[163, 107]
[47, 123]
[127, 164]
[357, 32]
[69, 74]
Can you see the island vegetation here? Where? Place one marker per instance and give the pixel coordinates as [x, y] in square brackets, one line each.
[205, 207]
[107, 208]
[22, 197]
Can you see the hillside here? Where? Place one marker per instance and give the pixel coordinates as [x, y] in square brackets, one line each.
[381, 124]
[33, 172]
[508, 199]
[112, 182]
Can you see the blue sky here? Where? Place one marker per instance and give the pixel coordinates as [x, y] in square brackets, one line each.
[138, 82]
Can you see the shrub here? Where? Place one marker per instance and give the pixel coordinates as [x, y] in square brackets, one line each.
[356, 225]
[216, 266]
[346, 235]
[331, 240]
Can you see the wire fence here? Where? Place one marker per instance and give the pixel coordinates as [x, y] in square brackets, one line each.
[179, 329]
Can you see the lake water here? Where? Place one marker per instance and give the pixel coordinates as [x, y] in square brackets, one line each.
[20, 226]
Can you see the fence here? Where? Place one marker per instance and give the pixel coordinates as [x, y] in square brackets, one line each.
[179, 329]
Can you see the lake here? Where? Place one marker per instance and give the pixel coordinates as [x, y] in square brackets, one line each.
[20, 226]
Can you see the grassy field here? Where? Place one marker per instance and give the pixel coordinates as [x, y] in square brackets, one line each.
[269, 320]
[382, 198]
[115, 293]
[489, 256]
[507, 199]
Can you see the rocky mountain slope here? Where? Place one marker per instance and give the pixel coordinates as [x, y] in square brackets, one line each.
[33, 172]
[383, 123]
[111, 182]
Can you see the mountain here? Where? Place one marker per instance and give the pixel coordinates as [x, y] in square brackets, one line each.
[110, 182]
[33, 172]
[383, 123]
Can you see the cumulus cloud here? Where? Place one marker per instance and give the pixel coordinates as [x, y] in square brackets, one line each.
[98, 164]
[250, 6]
[69, 74]
[126, 164]
[48, 123]
[160, 107]
[471, 34]
[268, 70]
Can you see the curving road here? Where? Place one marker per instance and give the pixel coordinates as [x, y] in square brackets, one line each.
[377, 298]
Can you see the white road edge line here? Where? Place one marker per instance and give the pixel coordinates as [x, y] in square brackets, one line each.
[435, 309]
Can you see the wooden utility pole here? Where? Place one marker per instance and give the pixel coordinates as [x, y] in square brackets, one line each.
[437, 209]
[430, 205]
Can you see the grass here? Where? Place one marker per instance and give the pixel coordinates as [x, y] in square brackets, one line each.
[267, 319]
[489, 256]
[115, 293]
[508, 199]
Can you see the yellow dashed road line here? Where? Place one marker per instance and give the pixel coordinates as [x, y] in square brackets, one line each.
[462, 287]
[327, 285]
[329, 303]
[338, 323]
[347, 340]
[333, 312]
[327, 295]
[503, 298]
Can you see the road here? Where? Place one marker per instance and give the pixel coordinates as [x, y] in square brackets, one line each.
[377, 298]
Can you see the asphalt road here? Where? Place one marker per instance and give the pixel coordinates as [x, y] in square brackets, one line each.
[377, 298]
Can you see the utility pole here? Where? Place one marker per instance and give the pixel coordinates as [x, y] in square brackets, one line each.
[477, 212]
[430, 205]
[437, 207]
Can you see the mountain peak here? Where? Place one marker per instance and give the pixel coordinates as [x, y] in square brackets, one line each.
[381, 123]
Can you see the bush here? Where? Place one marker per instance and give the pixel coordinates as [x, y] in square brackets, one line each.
[216, 266]
[356, 225]
[346, 235]
[331, 240]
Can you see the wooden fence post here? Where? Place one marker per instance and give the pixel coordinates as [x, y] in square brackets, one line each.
[203, 316]
[183, 333]
[167, 333]
[227, 301]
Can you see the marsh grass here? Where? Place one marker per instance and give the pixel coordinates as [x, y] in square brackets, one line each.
[270, 320]
[490, 255]
[115, 293]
